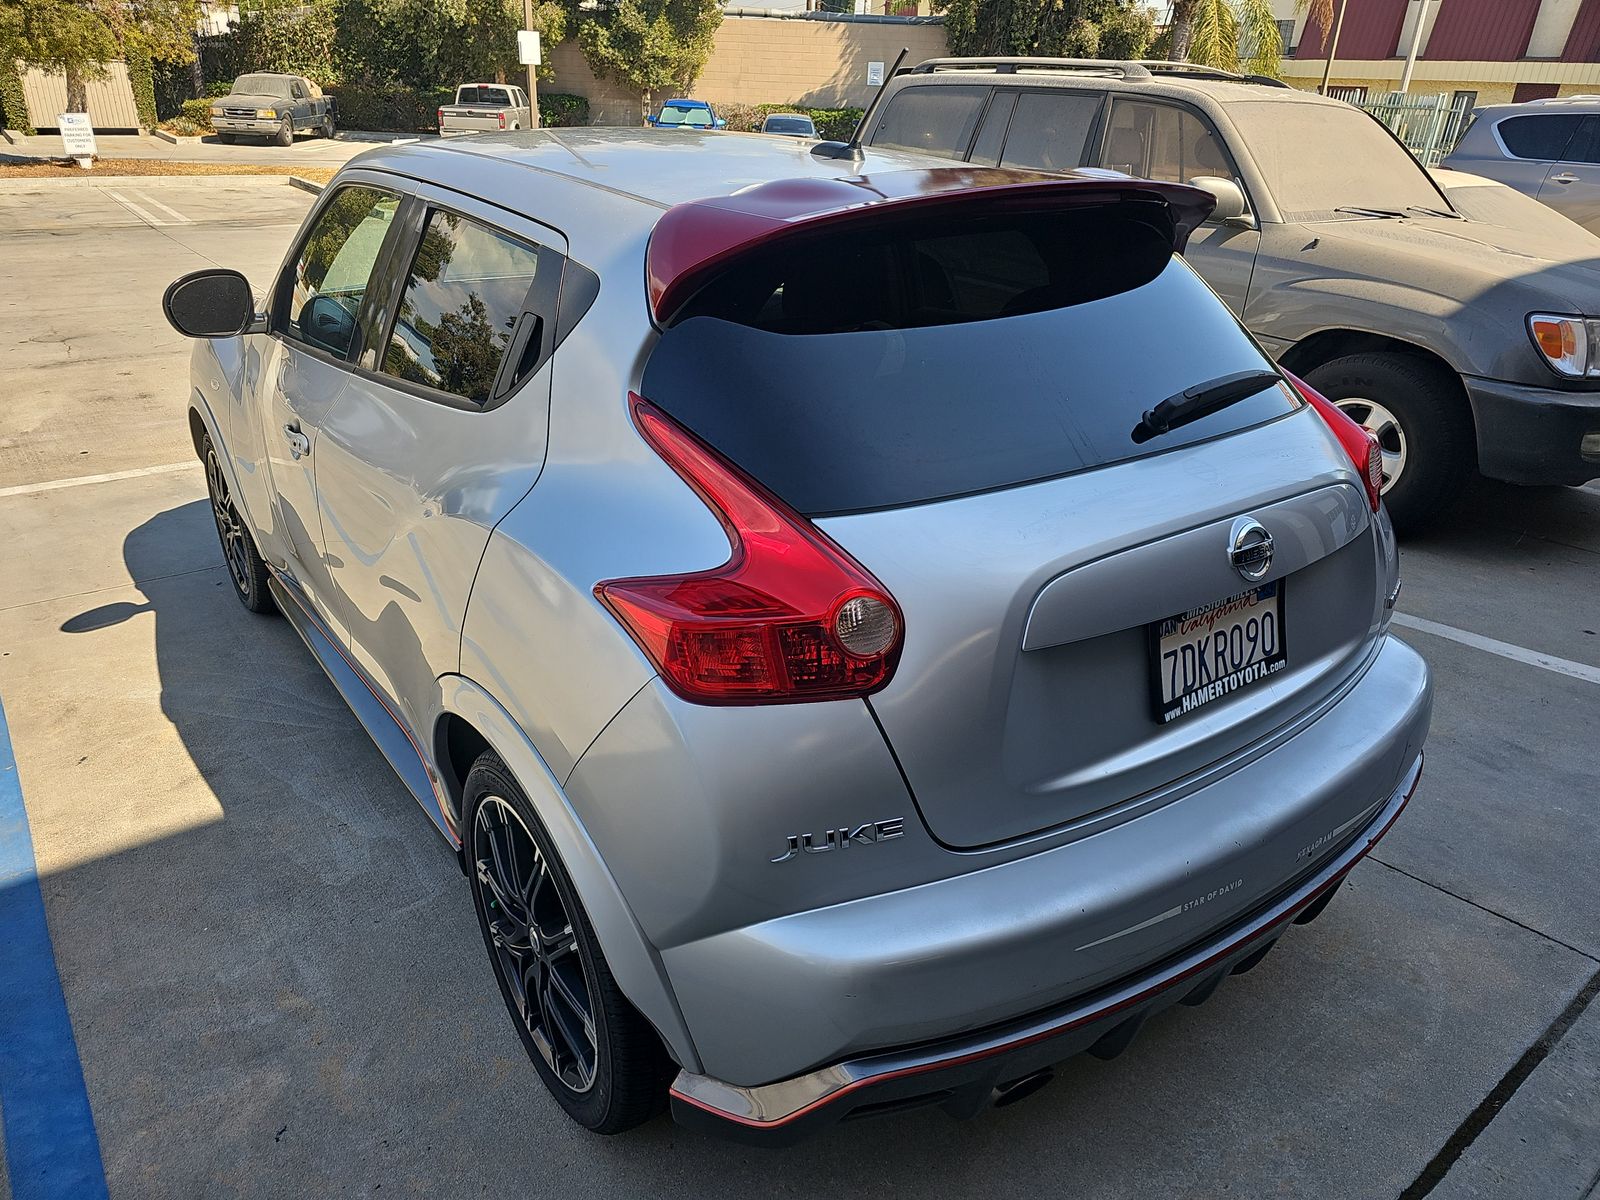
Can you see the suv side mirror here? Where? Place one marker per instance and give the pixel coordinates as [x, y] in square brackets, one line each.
[213, 303]
[1228, 195]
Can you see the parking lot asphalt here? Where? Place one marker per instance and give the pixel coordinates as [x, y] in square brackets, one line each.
[306, 151]
[270, 962]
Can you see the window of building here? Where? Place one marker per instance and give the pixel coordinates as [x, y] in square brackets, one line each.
[1286, 36]
[463, 309]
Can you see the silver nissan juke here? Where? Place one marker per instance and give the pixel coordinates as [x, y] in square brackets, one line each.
[872, 629]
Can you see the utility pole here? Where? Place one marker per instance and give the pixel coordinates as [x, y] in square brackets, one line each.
[1416, 45]
[533, 71]
[1333, 48]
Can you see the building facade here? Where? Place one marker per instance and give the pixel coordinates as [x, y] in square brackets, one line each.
[1477, 51]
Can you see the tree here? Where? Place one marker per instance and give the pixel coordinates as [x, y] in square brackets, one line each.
[1232, 35]
[1058, 28]
[78, 37]
[424, 43]
[651, 45]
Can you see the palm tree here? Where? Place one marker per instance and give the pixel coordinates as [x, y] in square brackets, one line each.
[1212, 32]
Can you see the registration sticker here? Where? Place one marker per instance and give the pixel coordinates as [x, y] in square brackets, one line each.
[1212, 651]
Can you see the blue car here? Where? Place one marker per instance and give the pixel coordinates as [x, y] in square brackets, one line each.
[686, 114]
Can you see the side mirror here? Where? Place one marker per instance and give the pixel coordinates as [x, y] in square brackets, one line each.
[1228, 194]
[213, 303]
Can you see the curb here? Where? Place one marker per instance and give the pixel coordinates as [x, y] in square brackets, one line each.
[93, 178]
[306, 185]
[174, 138]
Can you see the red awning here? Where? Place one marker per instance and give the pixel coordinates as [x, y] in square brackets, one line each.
[1482, 30]
[1583, 43]
[1371, 30]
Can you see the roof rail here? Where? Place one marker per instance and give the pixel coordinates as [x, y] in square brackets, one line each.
[1159, 66]
[1010, 65]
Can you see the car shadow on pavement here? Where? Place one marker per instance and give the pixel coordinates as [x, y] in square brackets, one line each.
[281, 990]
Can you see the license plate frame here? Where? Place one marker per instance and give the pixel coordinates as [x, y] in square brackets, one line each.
[1207, 680]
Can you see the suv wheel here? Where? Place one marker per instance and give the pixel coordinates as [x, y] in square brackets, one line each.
[600, 1059]
[245, 568]
[285, 134]
[1415, 410]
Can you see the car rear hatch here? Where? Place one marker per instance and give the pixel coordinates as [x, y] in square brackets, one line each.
[955, 395]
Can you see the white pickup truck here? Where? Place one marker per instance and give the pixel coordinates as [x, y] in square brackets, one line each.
[484, 106]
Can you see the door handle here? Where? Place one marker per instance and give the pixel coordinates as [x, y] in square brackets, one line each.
[1564, 177]
[299, 443]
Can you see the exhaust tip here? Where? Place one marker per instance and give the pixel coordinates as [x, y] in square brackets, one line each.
[1021, 1089]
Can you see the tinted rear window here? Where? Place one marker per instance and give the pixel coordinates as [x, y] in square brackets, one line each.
[931, 119]
[902, 365]
[1543, 137]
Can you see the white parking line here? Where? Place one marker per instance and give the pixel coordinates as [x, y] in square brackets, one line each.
[1561, 666]
[177, 217]
[144, 214]
[28, 489]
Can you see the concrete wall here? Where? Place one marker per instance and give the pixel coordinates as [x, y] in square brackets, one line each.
[111, 103]
[766, 60]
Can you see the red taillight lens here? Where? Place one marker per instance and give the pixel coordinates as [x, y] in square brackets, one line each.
[502, 120]
[790, 616]
[1360, 445]
[439, 118]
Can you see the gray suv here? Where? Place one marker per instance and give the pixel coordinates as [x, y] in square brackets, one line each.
[1460, 345]
[869, 630]
[1547, 149]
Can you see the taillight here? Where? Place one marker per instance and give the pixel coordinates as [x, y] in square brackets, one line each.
[502, 120]
[789, 617]
[1360, 445]
[439, 117]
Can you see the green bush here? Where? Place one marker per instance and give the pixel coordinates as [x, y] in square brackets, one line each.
[196, 112]
[13, 106]
[388, 109]
[558, 110]
[184, 127]
[142, 80]
[835, 124]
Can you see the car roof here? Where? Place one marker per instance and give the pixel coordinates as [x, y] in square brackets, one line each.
[659, 169]
[1561, 104]
[1173, 80]
[680, 100]
[802, 116]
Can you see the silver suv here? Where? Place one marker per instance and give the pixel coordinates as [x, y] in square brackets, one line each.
[1547, 149]
[869, 630]
[1461, 345]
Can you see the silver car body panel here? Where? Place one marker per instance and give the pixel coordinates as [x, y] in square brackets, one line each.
[452, 560]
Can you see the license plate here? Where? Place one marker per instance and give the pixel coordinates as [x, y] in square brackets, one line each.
[1211, 652]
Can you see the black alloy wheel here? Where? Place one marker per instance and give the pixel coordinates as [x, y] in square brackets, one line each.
[601, 1061]
[245, 567]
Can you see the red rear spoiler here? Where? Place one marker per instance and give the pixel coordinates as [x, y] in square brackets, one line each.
[692, 241]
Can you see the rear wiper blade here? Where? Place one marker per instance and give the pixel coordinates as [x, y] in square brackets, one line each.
[1201, 401]
[1371, 212]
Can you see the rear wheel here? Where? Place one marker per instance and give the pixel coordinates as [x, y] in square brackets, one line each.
[599, 1058]
[1415, 410]
[285, 134]
[245, 568]
[326, 128]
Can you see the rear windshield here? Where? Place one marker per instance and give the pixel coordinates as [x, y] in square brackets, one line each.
[920, 362]
[788, 125]
[484, 95]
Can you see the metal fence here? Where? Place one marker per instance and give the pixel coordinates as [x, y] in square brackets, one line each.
[1430, 126]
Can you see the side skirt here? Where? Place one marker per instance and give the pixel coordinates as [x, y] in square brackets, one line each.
[397, 743]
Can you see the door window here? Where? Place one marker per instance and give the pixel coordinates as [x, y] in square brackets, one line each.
[464, 308]
[931, 119]
[1542, 137]
[1585, 147]
[298, 92]
[992, 136]
[320, 296]
[1049, 129]
[1159, 141]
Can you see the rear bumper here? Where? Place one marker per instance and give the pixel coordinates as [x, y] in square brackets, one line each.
[963, 1073]
[1532, 434]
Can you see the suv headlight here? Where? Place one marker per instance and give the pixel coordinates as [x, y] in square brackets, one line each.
[267, 113]
[1569, 344]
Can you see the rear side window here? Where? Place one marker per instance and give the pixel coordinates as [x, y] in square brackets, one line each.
[1049, 129]
[931, 120]
[919, 361]
[1585, 146]
[463, 309]
[1539, 137]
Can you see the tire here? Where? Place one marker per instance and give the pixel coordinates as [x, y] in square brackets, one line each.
[619, 1080]
[285, 134]
[245, 568]
[1416, 409]
[326, 128]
